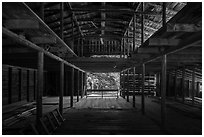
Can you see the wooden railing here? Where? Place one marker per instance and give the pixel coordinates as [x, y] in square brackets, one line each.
[102, 93]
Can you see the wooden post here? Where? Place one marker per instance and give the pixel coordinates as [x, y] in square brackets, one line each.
[128, 85]
[198, 89]
[124, 47]
[34, 84]
[82, 85]
[175, 85]
[163, 92]
[134, 87]
[61, 88]
[19, 84]
[72, 20]
[123, 93]
[72, 91]
[9, 85]
[78, 84]
[193, 85]
[183, 85]
[40, 86]
[143, 86]
[27, 87]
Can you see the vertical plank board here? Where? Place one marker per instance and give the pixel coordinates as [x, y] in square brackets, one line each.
[20, 84]
[163, 93]
[72, 91]
[34, 84]
[61, 88]
[40, 86]
[82, 85]
[78, 84]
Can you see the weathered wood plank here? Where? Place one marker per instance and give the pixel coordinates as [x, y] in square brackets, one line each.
[183, 27]
[163, 42]
[44, 40]
[19, 24]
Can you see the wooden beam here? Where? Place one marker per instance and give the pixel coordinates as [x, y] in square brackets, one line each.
[48, 29]
[143, 87]
[19, 24]
[27, 86]
[175, 85]
[163, 42]
[77, 85]
[193, 86]
[40, 86]
[183, 84]
[72, 88]
[183, 27]
[44, 40]
[19, 83]
[82, 85]
[61, 87]
[29, 44]
[163, 93]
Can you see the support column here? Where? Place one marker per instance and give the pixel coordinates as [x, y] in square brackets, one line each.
[128, 85]
[82, 85]
[143, 86]
[61, 88]
[72, 91]
[78, 84]
[20, 84]
[193, 86]
[183, 85]
[27, 87]
[40, 82]
[142, 23]
[134, 87]
[163, 93]
[175, 85]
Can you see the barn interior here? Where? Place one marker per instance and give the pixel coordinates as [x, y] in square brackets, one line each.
[48, 48]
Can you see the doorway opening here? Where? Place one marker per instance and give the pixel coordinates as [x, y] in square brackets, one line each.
[103, 84]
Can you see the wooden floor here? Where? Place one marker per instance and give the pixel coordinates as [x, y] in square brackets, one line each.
[106, 116]
[181, 119]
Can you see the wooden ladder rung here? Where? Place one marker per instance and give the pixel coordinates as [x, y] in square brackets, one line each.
[53, 114]
[50, 121]
[44, 126]
[61, 118]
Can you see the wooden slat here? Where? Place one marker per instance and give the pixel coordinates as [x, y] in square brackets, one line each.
[44, 40]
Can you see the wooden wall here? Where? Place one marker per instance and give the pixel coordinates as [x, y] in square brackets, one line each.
[18, 84]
